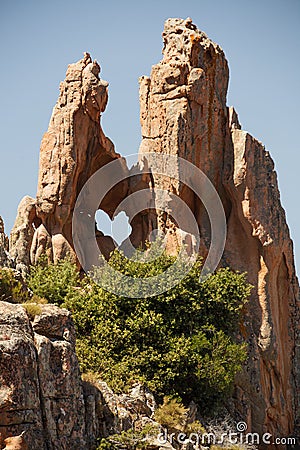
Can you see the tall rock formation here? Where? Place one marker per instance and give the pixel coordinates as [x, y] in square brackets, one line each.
[257, 229]
[5, 258]
[21, 235]
[184, 113]
[72, 150]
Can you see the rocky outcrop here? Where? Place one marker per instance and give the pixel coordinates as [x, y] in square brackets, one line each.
[21, 235]
[73, 148]
[43, 402]
[41, 392]
[257, 229]
[5, 259]
[108, 413]
[184, 113]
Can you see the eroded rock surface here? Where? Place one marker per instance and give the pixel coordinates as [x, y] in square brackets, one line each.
[73, 149]
[184, 113]
[257, 229]
[43, 402]
[109, 413]
[40, 385]
[21, 235]
[5, 258]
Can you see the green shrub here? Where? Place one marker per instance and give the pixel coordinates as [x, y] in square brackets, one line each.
[12, 289]
[180, 343]
[105, 444]
[171, 414]
[32, 309]
[33, 306]
[53, 281]
[130, 439]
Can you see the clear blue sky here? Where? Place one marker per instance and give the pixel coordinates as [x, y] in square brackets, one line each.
[38, 39]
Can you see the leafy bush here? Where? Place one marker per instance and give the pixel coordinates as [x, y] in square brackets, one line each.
[180, 343]
[53, 281]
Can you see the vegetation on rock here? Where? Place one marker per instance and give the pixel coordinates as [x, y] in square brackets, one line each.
[130, 439]
[12, 287]
[181, 343]
[53, 281]
[171, 414]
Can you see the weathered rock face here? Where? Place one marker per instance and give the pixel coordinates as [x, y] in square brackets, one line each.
[21, 235]
[257, 230]
[41, 392]
[73, 148]
[20, 409]
[108, 413]
[43, 402]
[183, 103]
[184, 113]
[5, 259]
